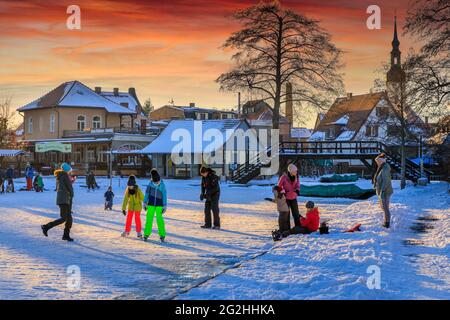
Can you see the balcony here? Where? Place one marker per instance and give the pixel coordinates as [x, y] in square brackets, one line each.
[109, 132]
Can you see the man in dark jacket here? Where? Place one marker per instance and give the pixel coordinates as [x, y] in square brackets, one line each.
[210, 193]
[90, 181]
[64, 199]
[10, 178]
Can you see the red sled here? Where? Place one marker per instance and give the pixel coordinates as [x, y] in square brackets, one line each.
[356, 227]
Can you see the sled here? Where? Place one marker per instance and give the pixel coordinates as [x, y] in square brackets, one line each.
[356, 227]
[269, 199]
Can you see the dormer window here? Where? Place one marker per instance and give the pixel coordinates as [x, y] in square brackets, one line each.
[330, 133]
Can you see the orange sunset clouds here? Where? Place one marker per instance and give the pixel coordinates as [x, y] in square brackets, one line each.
[165, 49]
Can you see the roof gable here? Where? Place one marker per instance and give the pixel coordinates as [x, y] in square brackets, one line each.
[351, 112]
[75, 94]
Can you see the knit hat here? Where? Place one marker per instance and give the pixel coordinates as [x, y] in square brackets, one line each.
[310, 205]
[292, 168]
[66, 167]
[131, 181]
[155, 175]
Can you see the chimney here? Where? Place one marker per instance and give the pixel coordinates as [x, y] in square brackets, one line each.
[116, 91]
[289, 104]
[426, 120]
[98, 90]
[192, 105]
[132, 91]
[239, 104]
[349, 95]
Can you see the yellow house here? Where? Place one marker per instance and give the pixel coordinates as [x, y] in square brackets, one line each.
[94, 122]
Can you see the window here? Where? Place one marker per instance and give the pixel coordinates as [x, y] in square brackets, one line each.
[393, 130]
[52, 122]
[81, 123]
[30, 125]
[96, 122]
[330, 133]
[372, 131]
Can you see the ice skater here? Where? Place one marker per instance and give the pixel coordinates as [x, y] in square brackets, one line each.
[155, 203]
[210, 191]
[132, 202]
[109, 198]
[64, 199]
[383, 186]
[289, 184]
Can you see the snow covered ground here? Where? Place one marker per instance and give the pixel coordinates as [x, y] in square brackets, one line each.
[413, 265]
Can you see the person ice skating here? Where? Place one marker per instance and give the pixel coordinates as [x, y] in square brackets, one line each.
[289, 184]
[38, 183]
[383, 186]
[2, 181]
[210, 191]
[29, 174]
[64, 199]
[10, 178]
[307, 225]
[284, 223]
[132, 207]
[109, 197]
[155, 201]
[90, 181]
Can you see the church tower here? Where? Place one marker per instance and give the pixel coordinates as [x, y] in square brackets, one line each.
[395, 74]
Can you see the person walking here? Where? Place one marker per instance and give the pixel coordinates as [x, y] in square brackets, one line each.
[29, 174]
[90, 181]
[109, 198]
[64, 199]
[155, 203]
[383, 186]
[210, 191]
[289, 184]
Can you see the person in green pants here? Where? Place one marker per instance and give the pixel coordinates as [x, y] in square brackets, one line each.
[155, 200]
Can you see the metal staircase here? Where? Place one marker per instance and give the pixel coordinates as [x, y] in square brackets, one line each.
[329, 150]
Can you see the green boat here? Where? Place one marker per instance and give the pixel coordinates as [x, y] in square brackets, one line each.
[351, 191]
[340, 178]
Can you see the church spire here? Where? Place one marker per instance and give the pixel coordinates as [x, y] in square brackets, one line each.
[395, 53]
[395, 73]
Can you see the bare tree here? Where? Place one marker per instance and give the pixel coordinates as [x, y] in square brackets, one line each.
[278, 46]
[6, 114]
[429, 22]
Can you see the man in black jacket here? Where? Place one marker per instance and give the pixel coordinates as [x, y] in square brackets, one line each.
[210, 193]
[64, 199]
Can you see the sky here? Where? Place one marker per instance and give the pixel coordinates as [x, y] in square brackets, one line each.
[166, 49]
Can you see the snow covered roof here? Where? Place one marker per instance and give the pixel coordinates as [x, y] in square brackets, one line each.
[317, 136]
[300, 133]
[341, 121]
[11, 153]
[123, 98]
[345, 136]
[178, 130]
[75, 94]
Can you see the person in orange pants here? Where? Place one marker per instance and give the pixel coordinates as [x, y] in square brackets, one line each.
[29, 174]
[132, 202]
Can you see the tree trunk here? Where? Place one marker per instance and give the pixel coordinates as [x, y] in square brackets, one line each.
[277, 100]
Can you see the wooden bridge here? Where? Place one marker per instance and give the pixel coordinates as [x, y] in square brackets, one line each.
[294, 151]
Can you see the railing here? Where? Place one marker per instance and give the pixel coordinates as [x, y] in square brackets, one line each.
[109, 131]
[331, 147]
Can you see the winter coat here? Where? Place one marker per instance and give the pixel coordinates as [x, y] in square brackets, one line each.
[289, 187]
[210, 185]
[133, 202]
[312, 220]
[10, 173]
[156, 195]
[38, 182]
[109, 195]
[382, 181]
[90, 179]
[29, 172]
[64, 189]
[282, 205]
